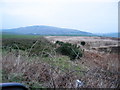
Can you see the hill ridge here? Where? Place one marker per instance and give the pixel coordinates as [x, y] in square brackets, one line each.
[46, 30]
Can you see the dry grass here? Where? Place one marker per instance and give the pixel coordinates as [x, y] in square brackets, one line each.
[35, 73]
[101, 70]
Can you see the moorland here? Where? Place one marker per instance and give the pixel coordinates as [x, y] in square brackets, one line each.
[58, 61]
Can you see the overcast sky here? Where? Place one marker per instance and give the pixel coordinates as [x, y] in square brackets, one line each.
[96, 16]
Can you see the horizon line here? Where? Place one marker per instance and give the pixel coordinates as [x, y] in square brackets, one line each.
[56, 27]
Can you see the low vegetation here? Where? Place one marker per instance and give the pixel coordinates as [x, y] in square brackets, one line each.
[23, 57]
[71, 50]
[37, 63]
[31, 46]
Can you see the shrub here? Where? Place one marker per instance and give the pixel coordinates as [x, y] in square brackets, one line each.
[32, 46]
[59, 42]
[70, 50]
[83, 43]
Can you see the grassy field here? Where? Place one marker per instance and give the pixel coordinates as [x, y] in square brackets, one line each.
[7, 35]
[19, 36]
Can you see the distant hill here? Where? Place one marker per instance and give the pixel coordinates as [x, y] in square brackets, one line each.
[110, 35]
[46, 30]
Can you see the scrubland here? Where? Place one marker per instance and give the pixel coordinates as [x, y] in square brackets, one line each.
[35, 63]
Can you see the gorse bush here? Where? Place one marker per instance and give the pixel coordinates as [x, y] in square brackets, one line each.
[42, 47]
[83, 43]
[33, 46]
[71, 50]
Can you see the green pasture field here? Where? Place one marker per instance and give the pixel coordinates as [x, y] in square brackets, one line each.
[19, 36]
[7, 35]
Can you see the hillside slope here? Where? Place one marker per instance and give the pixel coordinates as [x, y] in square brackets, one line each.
[46, 30]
